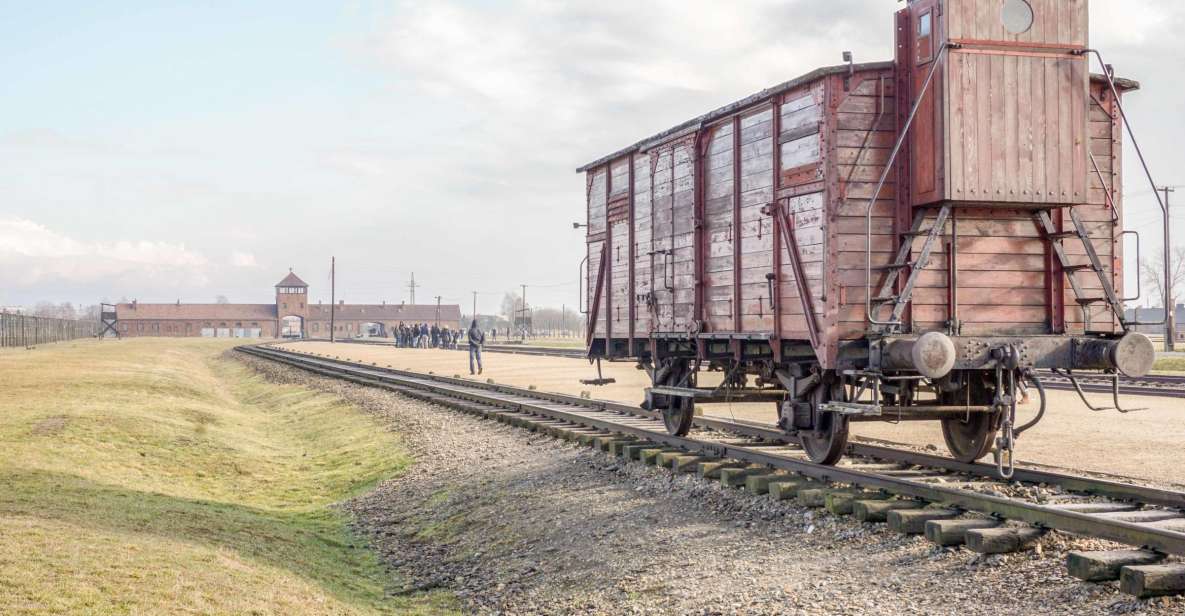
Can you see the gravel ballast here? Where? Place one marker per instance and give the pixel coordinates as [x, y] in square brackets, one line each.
[520, 523]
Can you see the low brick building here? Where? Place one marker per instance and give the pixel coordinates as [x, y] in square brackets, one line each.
[290, 317]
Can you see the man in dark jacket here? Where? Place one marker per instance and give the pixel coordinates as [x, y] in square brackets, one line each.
[476, 339]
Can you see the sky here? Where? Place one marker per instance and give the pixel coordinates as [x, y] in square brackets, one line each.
[181, 151]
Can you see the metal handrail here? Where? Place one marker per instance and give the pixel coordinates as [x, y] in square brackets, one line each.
[581, 276]
[1147, 173]
[881, 184]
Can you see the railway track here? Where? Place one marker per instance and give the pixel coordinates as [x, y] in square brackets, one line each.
[913, 492]
[1152, 385]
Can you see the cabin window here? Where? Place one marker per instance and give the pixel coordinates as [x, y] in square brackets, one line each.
[1018, 16]
[925, 51]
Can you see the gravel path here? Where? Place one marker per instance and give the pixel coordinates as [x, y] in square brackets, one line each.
[518, 523]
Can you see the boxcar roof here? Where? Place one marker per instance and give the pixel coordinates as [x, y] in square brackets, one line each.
[760, 97]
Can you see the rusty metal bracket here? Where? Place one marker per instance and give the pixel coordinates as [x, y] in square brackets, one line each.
[595, 307]
[784, 221]
[1082, 394]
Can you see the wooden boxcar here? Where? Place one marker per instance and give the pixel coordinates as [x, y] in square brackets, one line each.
[882, 241]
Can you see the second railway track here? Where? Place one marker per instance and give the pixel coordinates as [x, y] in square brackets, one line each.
[1169, 386]
[1139, 516]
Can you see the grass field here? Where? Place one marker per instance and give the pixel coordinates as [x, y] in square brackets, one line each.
[1170, 364]
[161, 476]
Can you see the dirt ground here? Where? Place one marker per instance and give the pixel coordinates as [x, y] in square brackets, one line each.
[519, 523]
[1148, 445]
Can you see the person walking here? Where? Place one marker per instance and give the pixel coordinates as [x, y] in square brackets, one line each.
[476, 339]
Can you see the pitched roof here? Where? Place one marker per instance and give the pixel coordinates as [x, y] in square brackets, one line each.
[196, 312]
[407, 313]
[292, 280]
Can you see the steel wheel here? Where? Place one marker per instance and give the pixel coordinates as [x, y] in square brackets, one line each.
[826, 443]
[970, 438]
[677, 412]
[678, 415]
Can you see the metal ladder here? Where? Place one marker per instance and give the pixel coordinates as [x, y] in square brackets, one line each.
[886, 294]
[1054, 238]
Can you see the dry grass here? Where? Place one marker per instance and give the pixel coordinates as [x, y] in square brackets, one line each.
[1170, 364]
[159, 476]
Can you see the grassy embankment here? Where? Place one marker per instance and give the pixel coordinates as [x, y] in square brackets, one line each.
[159, 476]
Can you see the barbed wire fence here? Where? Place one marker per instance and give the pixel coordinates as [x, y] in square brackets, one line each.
[23, 330]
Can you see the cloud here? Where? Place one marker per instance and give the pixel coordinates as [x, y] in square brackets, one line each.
[243, 259]
[32, 254]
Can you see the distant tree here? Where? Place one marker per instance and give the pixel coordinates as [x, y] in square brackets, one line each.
[66, 311]
[45, 309]
[221, 299]
[1152, 275]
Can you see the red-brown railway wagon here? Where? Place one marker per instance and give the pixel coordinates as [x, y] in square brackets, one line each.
[892, 240]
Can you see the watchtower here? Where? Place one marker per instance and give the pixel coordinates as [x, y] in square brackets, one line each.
[108, 319]
[292, 305]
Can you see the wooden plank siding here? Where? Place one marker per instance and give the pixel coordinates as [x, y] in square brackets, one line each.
[755, 192]
[862, 153]
[644, 259]
[719, 202]
[597, 181]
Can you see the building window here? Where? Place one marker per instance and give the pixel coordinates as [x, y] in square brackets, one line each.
[285, 305]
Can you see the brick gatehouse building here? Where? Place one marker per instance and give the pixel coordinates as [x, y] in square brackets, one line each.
[290, 317]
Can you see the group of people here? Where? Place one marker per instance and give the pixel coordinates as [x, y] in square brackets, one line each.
[424, 336]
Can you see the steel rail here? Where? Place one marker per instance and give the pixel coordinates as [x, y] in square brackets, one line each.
[1051, 517]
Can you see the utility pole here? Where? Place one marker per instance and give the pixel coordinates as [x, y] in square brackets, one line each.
[412, 285]
[1170, 328]
[524, 313]
[332, 295]
[437, 311]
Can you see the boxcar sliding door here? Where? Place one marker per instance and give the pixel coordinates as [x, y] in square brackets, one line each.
[597, 207]
[673, 219]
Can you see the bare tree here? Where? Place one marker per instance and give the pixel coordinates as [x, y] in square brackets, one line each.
[1152, 275]
[45, 309]
[221, 299]
[90, 313]
[66, 311]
